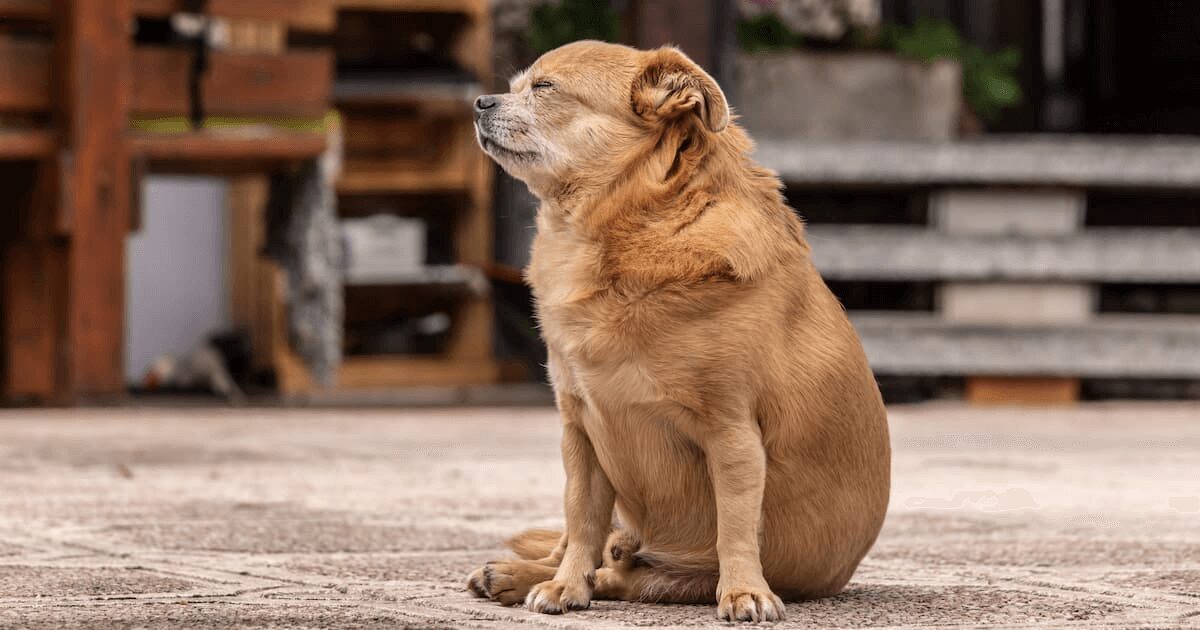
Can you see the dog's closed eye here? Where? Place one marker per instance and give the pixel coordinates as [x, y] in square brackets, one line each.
[543, 84]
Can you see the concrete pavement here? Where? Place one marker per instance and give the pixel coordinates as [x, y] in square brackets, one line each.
[166, 518]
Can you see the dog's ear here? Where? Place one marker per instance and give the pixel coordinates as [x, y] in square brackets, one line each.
[671, 85]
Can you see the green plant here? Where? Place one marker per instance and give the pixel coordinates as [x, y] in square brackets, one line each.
[558, 23]
[766, 32]
[989, 79]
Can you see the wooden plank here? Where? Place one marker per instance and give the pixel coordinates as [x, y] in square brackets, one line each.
[467, 7]
[244, 196]
[379, 182]
[1003, 390]
[297, 83]
[25, 9]
[474, 322]
[254, 280]
[473, 49]
[400, 371]
[471, 337]
[291, 84]
[25, 144]
[33, 301]
[93, 62]
[25, 84]
[216, 151]
[257, 36]
[386, 372]
[309, 15]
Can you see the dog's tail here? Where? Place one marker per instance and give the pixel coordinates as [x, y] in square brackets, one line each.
[534, 544]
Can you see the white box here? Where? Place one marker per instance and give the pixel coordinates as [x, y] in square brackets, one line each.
[383, 244]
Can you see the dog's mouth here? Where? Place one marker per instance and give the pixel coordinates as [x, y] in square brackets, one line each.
[501, 152]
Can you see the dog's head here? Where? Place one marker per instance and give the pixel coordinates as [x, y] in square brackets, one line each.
[583, 112]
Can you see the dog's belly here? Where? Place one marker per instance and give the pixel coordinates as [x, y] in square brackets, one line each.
[661, 482]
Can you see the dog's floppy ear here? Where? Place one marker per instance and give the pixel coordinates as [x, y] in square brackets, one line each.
[672, 85]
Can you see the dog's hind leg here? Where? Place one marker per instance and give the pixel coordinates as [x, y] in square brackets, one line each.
[627, 577]
[648, 584]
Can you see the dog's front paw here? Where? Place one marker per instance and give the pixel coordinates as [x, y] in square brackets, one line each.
[554, 597]
[749, 604]
[507, 582]
[477, 584]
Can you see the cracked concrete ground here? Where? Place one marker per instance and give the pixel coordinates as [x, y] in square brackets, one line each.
[157, 518]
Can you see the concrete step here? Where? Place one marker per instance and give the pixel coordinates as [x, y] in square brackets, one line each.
[903, 253]
[1165, 162]
[1125, 346]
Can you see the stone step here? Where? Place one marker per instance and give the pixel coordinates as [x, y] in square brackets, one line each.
[1119, 346]
[1007, 211]
[1164, 162]
[903, 253]
[1016, 303]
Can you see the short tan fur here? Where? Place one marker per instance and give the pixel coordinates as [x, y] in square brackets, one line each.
[716, 402]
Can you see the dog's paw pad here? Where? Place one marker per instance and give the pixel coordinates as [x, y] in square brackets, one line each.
[750, 604]
[500, 582]
[476, 583]
[554, 597]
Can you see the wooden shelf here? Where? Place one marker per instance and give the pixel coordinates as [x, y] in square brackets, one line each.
[400, 371]
[25, 9]
[386, 372]
[25, 144]
[295, 83]
[216, 151]
[25, 83]
[386, 182]
[463, 277]
[433, 96]
[468, 7]
[315, 15]
[413, 134]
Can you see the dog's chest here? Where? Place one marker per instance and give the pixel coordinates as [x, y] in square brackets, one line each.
[603, 358]
[601, 342]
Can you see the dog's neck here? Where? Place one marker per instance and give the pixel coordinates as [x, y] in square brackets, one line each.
[652, 185]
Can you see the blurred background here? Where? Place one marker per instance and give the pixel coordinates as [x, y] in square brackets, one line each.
[282, 200]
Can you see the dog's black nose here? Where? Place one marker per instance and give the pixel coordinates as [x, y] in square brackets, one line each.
[484, 103]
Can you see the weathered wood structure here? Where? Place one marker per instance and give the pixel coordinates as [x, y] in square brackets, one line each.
[74, 79]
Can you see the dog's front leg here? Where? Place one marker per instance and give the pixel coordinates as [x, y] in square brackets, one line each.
[737, 466]
[588, 505]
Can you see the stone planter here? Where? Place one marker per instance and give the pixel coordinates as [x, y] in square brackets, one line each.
[800, 95]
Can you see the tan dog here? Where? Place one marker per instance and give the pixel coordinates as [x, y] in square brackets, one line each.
[711, 388]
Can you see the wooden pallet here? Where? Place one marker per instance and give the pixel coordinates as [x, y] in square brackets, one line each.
[401, 138]
[77, 82]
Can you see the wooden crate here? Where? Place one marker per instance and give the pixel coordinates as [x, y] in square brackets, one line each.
[400, 138]
[407, 150]
[71, 80]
